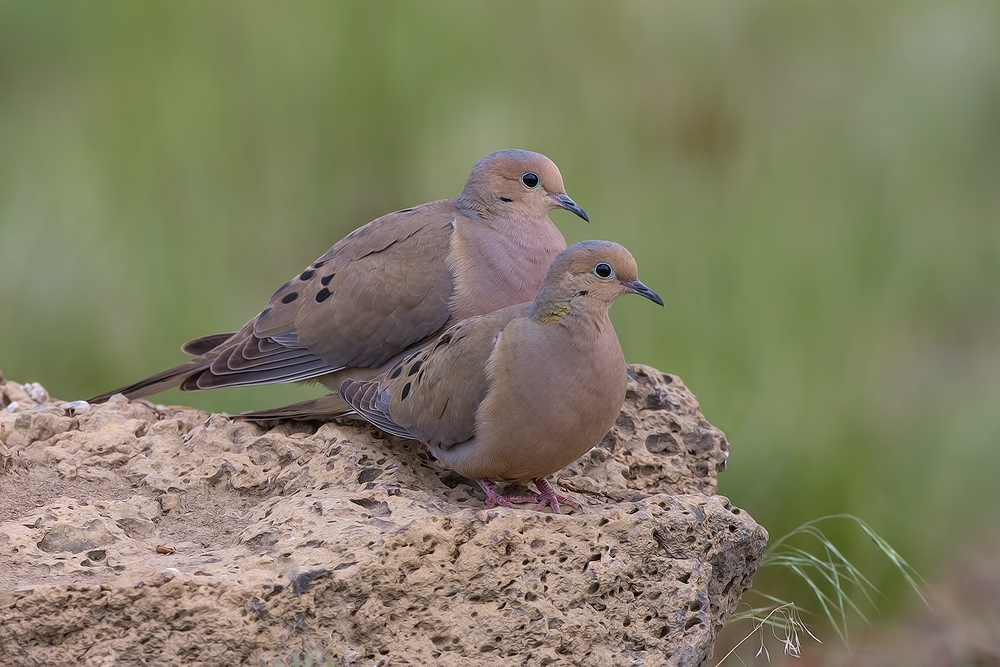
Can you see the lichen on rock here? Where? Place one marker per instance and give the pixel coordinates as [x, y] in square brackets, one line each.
[140, 533]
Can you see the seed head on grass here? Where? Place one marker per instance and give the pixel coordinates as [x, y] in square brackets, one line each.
[834, 581]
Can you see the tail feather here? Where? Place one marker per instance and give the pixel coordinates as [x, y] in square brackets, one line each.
[199, 346]
[319, 409]
[364, 396]
[156, 383]
[175, 376]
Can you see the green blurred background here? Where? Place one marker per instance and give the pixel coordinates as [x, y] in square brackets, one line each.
[814, 188]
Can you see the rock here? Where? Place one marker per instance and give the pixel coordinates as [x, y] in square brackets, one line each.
[136, 533]
[74, 539]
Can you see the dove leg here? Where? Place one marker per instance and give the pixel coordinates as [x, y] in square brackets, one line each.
[492, 497]
[548, 496]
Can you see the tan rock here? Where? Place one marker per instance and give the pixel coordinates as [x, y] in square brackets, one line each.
[133, 533]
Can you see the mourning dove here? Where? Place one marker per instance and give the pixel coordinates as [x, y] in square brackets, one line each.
[389, 287]
[522, 392]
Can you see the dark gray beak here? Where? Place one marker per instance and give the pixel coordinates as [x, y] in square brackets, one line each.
[570, 205]
[636, 287]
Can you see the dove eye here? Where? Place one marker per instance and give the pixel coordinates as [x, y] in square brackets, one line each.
[603, 270]
[529, 179]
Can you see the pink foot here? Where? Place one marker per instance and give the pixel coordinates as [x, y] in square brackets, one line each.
[492, 497]
[546, 496]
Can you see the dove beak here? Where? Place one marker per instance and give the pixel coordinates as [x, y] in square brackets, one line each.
[563, 201]
[636, 287]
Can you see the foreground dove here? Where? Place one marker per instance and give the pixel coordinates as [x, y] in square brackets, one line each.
[389, 287]
[522, 392]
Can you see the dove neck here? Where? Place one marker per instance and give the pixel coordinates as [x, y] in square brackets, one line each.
[554, 306]
[478, 203]
[471, 204]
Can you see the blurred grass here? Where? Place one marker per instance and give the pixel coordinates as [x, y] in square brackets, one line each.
[814, 188]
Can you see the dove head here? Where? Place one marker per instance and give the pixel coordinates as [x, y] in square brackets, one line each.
[517, 182]
[588, 277]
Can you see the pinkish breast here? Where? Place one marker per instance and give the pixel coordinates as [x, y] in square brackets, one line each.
[501, 265]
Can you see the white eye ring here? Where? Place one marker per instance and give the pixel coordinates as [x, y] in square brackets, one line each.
[604, 270]
[530, 180]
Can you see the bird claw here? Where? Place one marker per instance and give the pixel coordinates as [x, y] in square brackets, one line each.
[499, 500]
[548, 496]
[492, 497]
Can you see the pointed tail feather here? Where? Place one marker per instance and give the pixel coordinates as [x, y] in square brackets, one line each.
[199, 346]
[319, 409]
[175, 376]
[157, 383]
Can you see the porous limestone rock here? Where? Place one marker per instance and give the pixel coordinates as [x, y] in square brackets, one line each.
[133, 533]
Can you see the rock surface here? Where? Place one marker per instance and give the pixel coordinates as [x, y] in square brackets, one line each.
[133, 533]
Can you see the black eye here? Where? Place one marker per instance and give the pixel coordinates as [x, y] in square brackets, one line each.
[603, 270]
[529, 179]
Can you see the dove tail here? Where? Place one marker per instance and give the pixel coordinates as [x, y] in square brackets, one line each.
[175, 376]
[199, 346]
[154, 384]
[319, 409]
[363, 397]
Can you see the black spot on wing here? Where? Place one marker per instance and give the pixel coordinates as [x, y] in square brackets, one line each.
[318, 264]
[325, 280]
[395, 373]
[323, 295]
[291, 296]
[406, 392]
[307, 274]
[415, 367]
[280, 289]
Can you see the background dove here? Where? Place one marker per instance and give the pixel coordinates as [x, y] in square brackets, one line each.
[522, 392]
[388, 287]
